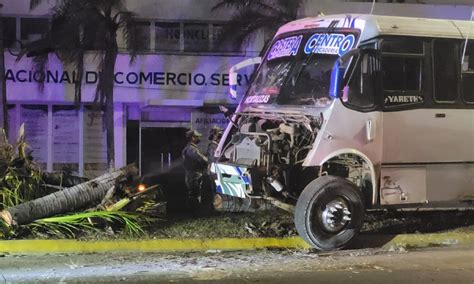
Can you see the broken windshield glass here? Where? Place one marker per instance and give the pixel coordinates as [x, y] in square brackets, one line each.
[297, 69]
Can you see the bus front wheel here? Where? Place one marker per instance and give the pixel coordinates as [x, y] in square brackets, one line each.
[329, 213]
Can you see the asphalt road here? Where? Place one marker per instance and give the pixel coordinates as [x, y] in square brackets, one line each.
[434, 265]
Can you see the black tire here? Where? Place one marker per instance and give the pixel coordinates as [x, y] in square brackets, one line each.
[310, 221]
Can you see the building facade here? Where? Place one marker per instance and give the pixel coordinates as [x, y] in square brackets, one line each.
[177, 81]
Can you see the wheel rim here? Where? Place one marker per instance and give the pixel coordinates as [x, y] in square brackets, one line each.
[335, 215]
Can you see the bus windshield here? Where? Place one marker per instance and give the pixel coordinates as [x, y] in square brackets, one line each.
[297, 68]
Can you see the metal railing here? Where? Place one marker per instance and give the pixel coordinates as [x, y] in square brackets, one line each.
[165, 158]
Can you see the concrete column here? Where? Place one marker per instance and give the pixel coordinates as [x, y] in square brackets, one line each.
[81, 141]
[119, 135]
[49, 165]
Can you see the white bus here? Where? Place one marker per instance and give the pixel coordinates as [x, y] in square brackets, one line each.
[349, 113]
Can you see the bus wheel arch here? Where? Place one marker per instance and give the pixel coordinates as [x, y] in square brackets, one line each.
[365, 180]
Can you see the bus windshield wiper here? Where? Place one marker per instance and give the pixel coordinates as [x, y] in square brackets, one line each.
[302, 67]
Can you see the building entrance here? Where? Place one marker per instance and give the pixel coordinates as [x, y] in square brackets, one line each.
[161, 148]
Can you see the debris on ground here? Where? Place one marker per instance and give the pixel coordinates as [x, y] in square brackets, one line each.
[394, 222]
[63, 205]
[100, 204]
[269, 223]
[278, 223]
[20, 177]
[227, 203]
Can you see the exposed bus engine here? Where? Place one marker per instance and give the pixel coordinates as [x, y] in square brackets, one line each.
[271, 149]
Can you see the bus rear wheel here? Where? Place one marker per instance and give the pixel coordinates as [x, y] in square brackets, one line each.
[329, 213]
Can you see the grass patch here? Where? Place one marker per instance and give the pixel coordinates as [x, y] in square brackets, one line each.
[270, 223]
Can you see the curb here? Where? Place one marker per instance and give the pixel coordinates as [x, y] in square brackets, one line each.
[162, 245]
[431, 240]
[224, 244]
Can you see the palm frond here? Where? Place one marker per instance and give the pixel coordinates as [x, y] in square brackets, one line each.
[127, 24]
[5, 230]
[69, 225]
[267, 8]
[290, 8]
[34, 3]
[246, 23]
[40, 63]
[234, 4]
[252, 16]
[264, 7]
[80, 25]
[19, 177]
[109, 6]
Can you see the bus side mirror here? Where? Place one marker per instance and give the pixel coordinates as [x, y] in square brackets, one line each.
[345, 94]
[225, 111]
[233, 81]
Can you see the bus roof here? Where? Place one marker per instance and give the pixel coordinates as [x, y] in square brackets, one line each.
[375, 25]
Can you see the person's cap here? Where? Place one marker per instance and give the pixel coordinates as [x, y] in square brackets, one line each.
[193, 133]
[216, 129]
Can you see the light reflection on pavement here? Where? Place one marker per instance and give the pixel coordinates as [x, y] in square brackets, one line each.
[452, 264]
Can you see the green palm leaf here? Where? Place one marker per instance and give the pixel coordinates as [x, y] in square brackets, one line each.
[69, 225]
[257, 15]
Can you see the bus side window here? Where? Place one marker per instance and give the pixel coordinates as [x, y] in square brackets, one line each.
[468, 74]
[363, 82]
[401, 74]
[402, 63]
[446, 70]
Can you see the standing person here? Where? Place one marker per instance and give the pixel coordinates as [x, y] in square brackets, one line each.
[215, 136]
[195, 167]
[209, 189]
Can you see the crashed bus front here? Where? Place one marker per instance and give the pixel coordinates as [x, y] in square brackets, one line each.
[316, 128]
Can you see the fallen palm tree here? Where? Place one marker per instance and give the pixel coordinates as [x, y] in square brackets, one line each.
[81, 196]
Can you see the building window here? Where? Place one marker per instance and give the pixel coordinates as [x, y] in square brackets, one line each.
[35, 118]
[33, 28]
[167, 36]
[218, 43]
[468, 74]
[196, 37]
[9, 31]
[65, 139]
[95, 145]
[191, 37]
[445, 70]
[142, 35]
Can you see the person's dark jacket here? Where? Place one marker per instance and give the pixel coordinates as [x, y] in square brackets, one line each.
[194, 160]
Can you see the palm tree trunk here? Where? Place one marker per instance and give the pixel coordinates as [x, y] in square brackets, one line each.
[3, 84]
[83, 195]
